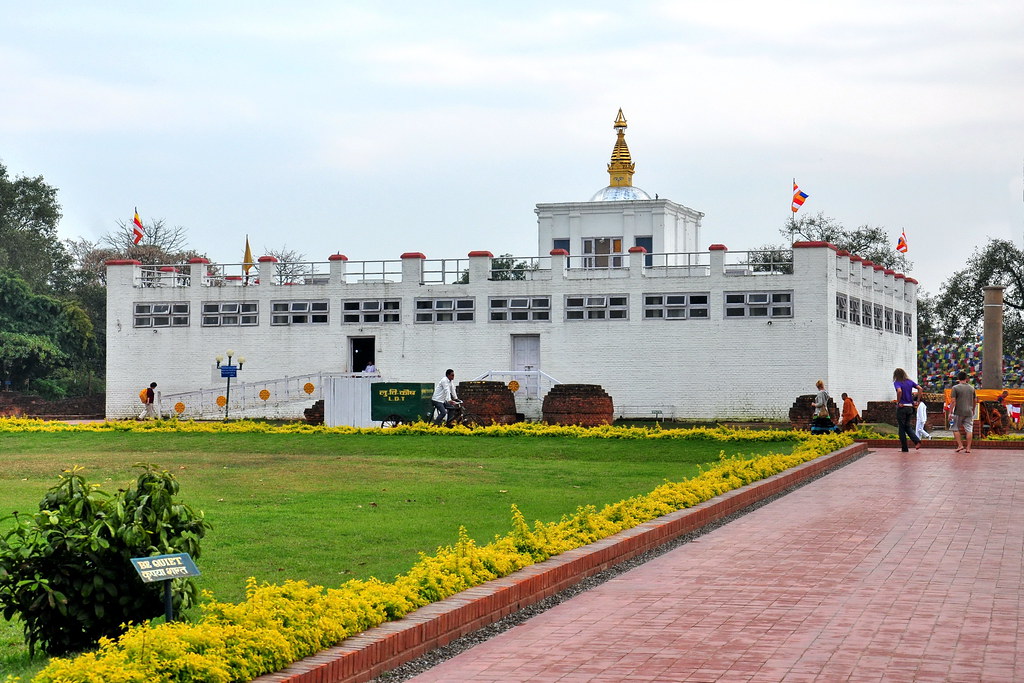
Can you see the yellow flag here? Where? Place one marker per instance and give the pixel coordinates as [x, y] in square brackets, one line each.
[247, 259]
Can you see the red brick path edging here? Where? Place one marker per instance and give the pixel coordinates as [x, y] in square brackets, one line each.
[945, 444]
[369, 654]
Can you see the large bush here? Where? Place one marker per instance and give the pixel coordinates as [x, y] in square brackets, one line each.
[66, 570]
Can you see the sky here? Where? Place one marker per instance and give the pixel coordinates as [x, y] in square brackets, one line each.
[372, 129]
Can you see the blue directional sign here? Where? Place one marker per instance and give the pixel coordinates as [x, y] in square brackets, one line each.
[229, 371]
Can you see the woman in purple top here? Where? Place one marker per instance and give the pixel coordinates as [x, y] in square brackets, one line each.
[907, 395]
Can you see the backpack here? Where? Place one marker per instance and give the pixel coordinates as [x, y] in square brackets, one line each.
[144, 395]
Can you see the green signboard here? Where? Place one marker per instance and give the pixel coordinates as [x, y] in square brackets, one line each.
[407, 401]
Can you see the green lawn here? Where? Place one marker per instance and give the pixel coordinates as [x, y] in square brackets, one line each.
[327, 508]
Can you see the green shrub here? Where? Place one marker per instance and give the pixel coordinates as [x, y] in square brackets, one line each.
[66, 570]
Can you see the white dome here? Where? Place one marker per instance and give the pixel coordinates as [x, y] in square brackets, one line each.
[618, 194]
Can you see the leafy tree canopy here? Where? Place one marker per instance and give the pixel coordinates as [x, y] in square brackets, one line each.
[959, 306]
[40, 334]
[29, 246]
[873, 243]
[160, 244]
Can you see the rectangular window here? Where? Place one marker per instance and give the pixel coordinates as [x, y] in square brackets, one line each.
[602, 252]
[898, 321]
[842, 307]
[878, 316]
[560, 243]
[676, 306]
[174, 314]
[371, 311]
[907, 329]
[647, 242]
[888, 320]
[299, 312]
[866, 319]
[759, 304]
[520, 309]
[612, 307]
[445, 310]
[230, 313]
[854, 311]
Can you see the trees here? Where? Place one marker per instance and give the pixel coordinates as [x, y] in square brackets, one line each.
[504, 267]
[291, 266]
[959, 306]
[41, 335]
[29, 246]
[160, 245]
[870, 242]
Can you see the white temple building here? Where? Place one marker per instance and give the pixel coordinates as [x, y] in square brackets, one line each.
[623, 293]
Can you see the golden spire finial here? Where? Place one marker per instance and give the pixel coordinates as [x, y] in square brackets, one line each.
[620, 170]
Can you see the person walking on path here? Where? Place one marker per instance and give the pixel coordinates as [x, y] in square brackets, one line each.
[851, 416]
[922, 421]
[821, 400]
[150, 411]
[964, 399]
[444, 398]
[907, 396]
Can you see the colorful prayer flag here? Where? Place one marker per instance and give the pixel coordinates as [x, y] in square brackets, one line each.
[798, 197]
[247, 259]
[137, 230]
[901, 243]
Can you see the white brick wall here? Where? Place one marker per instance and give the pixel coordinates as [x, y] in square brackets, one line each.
[697, 369]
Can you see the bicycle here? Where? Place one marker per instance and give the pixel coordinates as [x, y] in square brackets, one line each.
[460, 414]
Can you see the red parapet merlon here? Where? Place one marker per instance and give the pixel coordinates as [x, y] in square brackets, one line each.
[911, 280]
[813, 245]
[637, 250]
[337, 257]
[413, 254]
[199, 259]
[122, 262]
[559, 252]
[474, 254]
[718, 247]
[267, 259]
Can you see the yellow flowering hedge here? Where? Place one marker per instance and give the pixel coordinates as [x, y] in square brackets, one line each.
[279, 624]
[417, 429]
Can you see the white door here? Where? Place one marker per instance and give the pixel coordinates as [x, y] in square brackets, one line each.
[347, 401]
[526, 356]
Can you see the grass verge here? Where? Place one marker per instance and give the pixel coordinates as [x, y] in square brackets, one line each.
[326, 508]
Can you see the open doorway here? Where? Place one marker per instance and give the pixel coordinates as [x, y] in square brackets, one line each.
[362, 351]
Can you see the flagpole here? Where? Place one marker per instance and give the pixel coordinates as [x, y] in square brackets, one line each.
[792, 219]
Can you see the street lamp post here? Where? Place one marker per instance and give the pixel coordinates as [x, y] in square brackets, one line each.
[227, 370]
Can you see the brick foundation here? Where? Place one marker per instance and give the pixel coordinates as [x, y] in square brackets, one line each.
[587, 405]
[492, 403]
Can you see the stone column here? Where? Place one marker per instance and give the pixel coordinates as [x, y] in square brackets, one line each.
[992, 353]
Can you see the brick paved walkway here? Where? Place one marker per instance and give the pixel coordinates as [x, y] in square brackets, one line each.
[895, 568]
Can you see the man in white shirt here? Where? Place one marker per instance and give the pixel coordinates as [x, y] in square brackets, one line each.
[444, 396]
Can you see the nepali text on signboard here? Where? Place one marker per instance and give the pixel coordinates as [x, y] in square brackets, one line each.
[165, 567]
